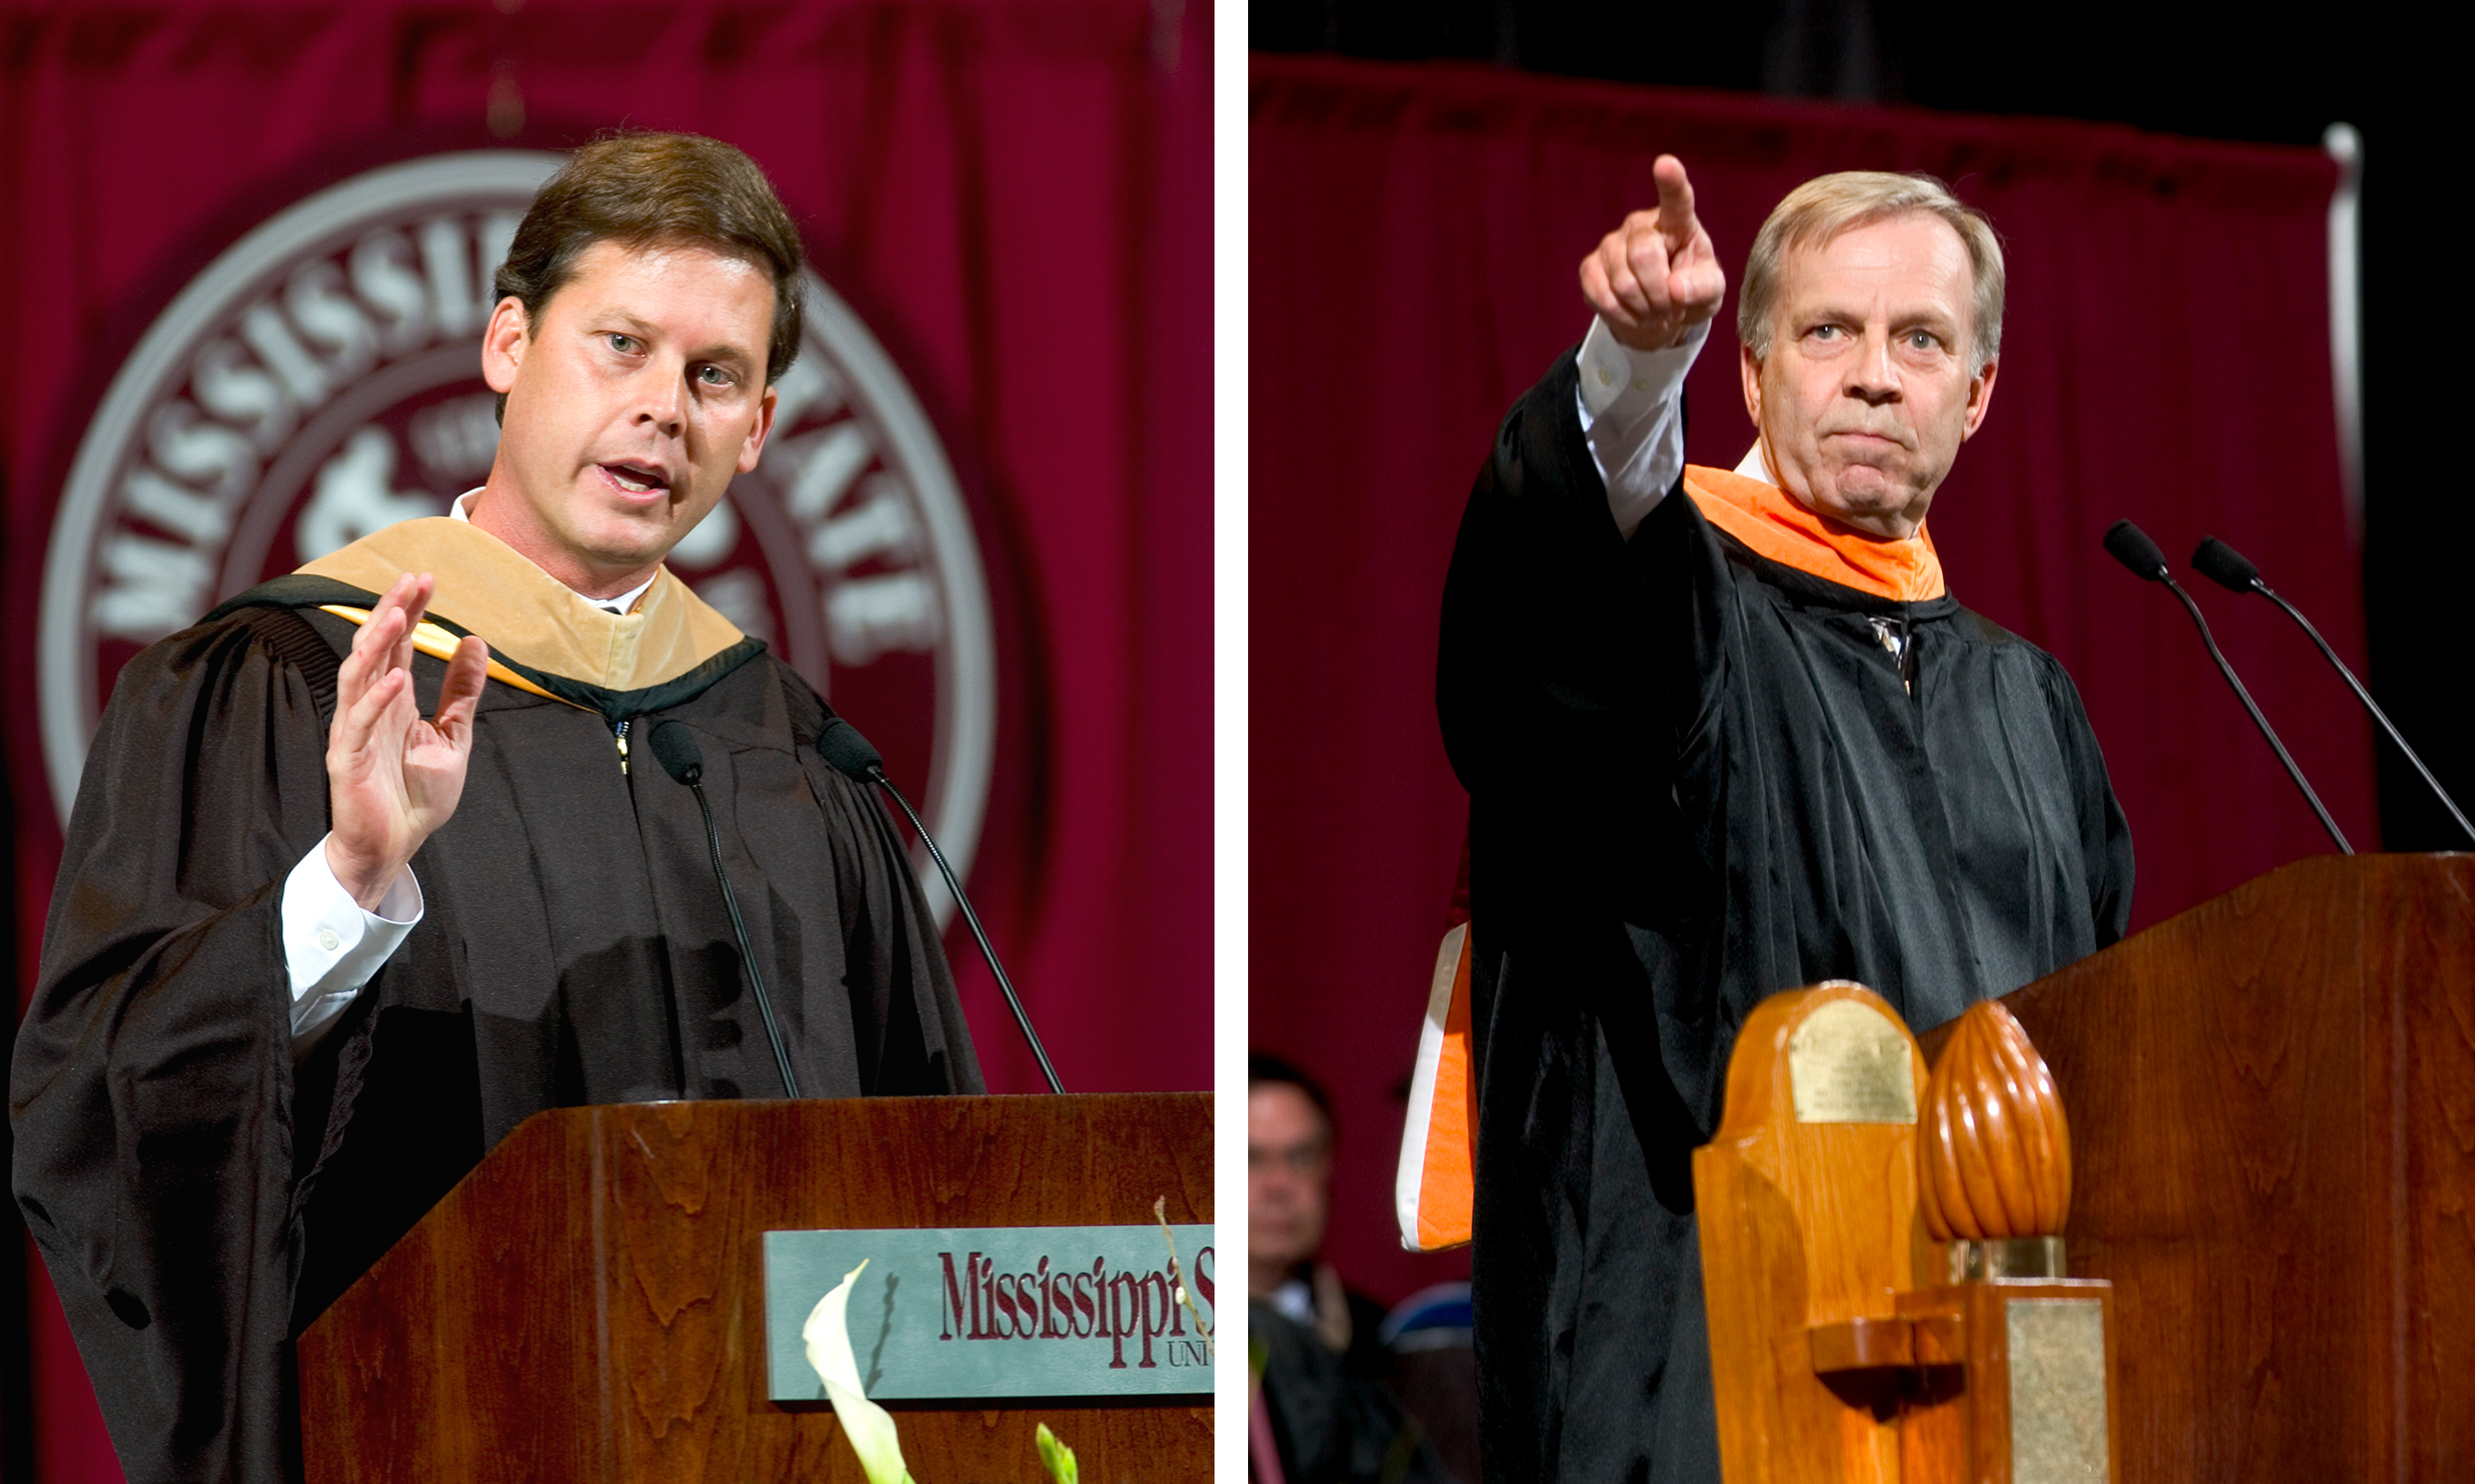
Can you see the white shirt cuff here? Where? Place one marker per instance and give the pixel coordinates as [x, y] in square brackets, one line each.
[331, 946]
[1633, 413]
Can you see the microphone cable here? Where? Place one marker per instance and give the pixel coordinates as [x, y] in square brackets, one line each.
[2230, 570]
[852, 756]
[676, 746]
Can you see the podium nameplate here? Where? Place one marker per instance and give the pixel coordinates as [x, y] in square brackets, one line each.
[964, 1314]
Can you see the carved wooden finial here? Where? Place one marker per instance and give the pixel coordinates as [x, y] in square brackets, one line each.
[1994, 1159]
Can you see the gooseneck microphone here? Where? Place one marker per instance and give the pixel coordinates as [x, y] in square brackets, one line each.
[676, 746]
[2131, 546]
[850, 755]
[2227, 568]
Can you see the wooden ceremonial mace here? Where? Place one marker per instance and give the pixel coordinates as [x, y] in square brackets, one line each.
[1889, 1307]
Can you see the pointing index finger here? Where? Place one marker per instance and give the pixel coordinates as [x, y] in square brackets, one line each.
[1675, 200]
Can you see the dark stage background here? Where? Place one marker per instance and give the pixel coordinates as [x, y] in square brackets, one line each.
[1013, 194]
[1424, 182]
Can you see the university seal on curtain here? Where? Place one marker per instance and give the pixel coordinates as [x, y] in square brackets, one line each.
[321, 379]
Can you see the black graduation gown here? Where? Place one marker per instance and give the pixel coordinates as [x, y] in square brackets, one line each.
[199, 1198]
[1697, 779]
[1333, 1421]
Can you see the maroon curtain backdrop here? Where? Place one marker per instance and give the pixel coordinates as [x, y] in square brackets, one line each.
[1414, 233]
[1015, 199]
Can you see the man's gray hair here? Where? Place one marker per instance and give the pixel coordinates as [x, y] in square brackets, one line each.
[1827, 205]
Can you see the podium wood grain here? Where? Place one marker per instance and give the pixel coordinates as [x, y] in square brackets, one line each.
[2272, 1108]
[588, 1303]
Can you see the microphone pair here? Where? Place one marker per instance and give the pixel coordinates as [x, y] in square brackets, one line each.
[2216, 560]
[851, 755]
[2231, 569]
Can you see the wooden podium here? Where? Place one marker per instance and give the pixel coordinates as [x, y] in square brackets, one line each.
[586, 1304]
[2273, 1112]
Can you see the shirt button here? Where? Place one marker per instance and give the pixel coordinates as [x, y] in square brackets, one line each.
[328, 940]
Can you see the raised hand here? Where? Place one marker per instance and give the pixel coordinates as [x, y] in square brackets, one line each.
[392, 777]
[1657, 276]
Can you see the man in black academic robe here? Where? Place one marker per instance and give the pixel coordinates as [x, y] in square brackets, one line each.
[1728, 734]
[311, 955]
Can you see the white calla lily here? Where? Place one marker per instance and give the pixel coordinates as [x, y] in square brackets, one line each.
[867, 1425]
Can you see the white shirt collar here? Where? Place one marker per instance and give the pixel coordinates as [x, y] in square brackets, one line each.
[1754, 466]
[460, 508]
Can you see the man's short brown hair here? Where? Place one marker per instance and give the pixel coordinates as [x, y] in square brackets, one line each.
[643, 189]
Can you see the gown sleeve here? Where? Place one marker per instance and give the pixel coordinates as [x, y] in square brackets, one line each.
[150, 1094]
[1535, 599]
[1568, 659]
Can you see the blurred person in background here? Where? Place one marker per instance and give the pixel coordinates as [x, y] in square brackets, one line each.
[1318, 1412]
[1288, 1204]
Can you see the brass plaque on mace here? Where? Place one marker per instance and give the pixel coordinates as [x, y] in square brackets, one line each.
[1849, 1063]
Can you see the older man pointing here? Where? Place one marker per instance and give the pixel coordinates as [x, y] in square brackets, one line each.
[1727, 733]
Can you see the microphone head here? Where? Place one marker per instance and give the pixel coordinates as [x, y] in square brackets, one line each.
[677, 750]
[850, 753]
[2132, 548]
[2224, 566]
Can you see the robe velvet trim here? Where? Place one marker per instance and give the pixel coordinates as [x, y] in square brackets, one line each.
[440, 644]
[1772, 524]
[302, 590]
[532, 619]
